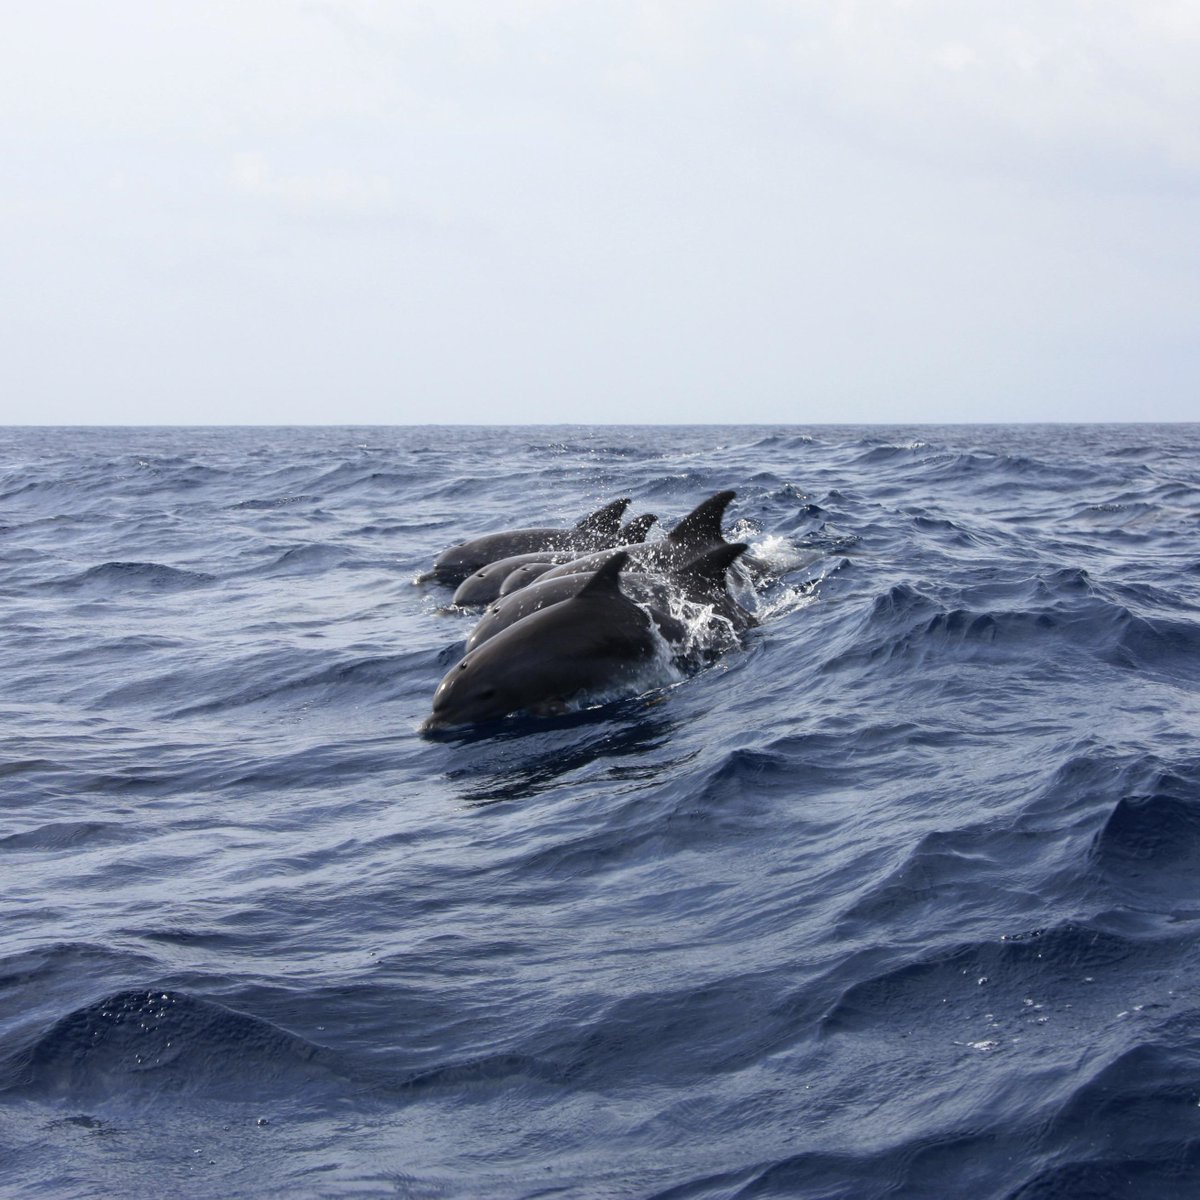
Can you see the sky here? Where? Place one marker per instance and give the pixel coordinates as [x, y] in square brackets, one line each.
[592, 211]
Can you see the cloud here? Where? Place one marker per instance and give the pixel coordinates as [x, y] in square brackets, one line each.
[1047, 85]
[1062, 90]
[337, 192]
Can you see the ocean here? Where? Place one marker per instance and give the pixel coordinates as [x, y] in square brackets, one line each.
[899, 897]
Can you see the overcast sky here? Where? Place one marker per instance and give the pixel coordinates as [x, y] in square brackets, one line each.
[343, 211]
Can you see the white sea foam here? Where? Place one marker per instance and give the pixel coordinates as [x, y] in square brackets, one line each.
[782, 555]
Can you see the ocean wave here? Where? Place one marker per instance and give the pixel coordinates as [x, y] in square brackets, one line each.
[290, 680]
[67, 835]
[274, 502]
[310, 558]
[990, 994]
[110, 577]
[154, 1043]
[1150, 840]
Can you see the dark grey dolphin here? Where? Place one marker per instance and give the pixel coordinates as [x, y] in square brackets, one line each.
[699, 531]
[593, 643]
[594, 532]
[483, 586]
[486, 584]
[702, 581]
[523, 576]
[632, 533]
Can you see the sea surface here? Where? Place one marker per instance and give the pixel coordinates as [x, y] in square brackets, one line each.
[900, 897]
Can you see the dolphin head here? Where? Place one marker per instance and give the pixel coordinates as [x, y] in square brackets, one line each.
[466, 696]
[487, 685]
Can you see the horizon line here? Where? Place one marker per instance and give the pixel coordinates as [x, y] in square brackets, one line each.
[565, 424]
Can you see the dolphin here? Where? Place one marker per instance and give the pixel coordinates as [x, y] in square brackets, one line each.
[595, 642]
[635, 531]
[523, 576]
[632, 533]
[486, 584]
[699, 531]
[483, 586]
[701, 581]
[594, 532]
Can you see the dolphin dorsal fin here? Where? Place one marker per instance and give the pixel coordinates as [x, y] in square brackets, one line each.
[634, 532]
[702, 526]
[604, 582]
[604, 522]
[710, 567]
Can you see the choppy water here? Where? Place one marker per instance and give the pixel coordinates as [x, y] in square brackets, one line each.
[901, 898]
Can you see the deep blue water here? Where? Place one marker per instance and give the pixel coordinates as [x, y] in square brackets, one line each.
[901, 898]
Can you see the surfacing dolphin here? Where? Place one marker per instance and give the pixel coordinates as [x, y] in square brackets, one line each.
[594, 643]
[632, 533]
[699, 531]
[523, 576]
[635, 530]
[486, 584]
[594, 532]
[700, 582]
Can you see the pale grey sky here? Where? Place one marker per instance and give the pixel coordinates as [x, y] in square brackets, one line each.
[292, 211]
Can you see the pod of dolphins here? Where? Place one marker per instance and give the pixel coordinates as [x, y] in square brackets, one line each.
[584, 612]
